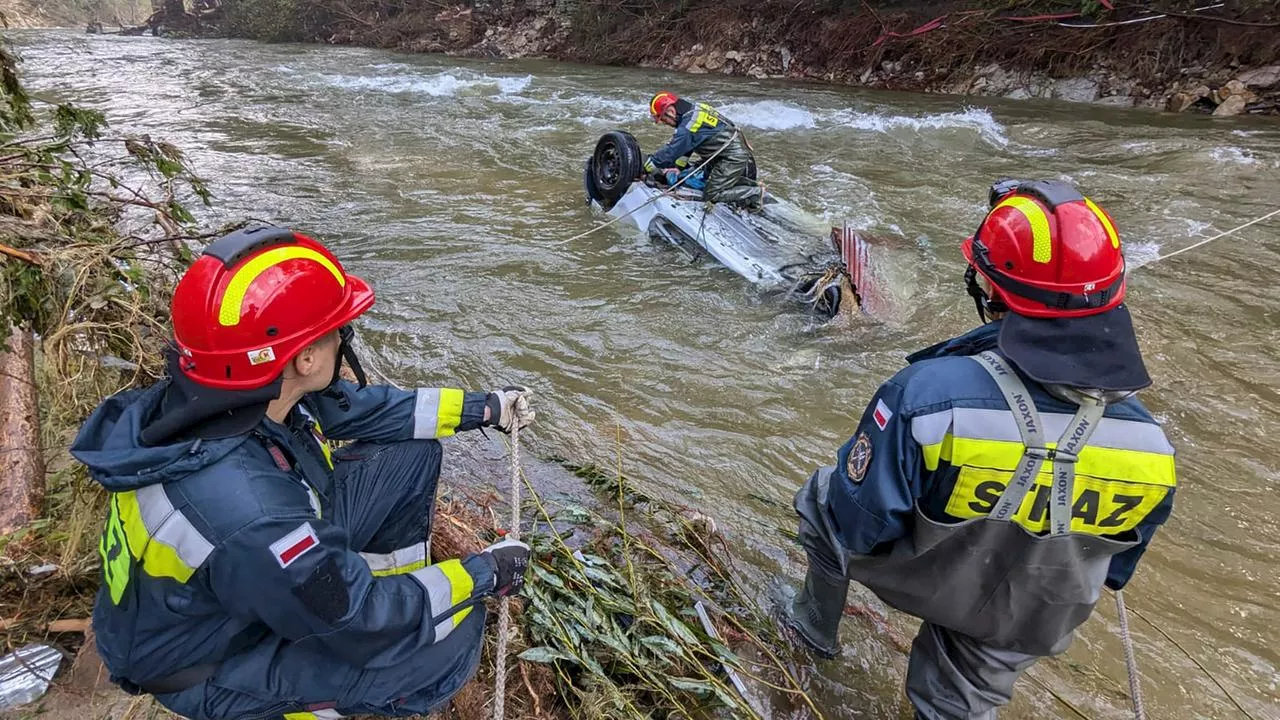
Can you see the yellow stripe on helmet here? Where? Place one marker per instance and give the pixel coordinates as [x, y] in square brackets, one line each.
[1042, 250]
[653, 103]
[229, 311]
[1111, 230]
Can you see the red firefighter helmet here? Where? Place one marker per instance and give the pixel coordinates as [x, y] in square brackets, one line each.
[256, 298]
[660, 102]
[1048, 251]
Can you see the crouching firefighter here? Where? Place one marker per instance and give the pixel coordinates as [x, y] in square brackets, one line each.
[995, 484]
[251, 571]
[730, 174]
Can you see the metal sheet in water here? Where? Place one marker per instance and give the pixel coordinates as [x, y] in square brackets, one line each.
[25, 674]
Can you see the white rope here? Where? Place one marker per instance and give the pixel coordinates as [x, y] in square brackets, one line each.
[504, 612]
[659, 196]
[1135, 686]
[1206, 241]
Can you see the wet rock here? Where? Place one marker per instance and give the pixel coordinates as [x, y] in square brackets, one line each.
[1180, 101]
[757, 72]
[1263, 77]
[1020, 93]
[1233, 105]
[733, 55]
[1075, 90]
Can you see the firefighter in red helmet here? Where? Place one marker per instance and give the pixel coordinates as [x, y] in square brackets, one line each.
[1000, 480]
[249, 569]
[730, 172]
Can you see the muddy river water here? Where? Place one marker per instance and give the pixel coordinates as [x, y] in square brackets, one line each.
[452, 184]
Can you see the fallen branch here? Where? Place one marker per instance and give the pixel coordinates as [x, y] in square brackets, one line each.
[76, 625]
[14, 252]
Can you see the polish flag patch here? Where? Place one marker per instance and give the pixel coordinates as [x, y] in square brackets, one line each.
[882, 414]
[295, 545]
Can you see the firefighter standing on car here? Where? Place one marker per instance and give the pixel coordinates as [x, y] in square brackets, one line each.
[730, 176]
[1001, 479]
[250, 570]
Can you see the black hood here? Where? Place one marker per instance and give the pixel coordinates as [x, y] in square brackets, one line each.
[189, 410]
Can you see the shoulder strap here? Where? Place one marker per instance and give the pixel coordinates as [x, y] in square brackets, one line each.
[1063, 456]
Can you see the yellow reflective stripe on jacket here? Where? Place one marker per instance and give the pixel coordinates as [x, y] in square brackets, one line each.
[158, 536]
[706, 116]
[397, 562]
[233, 297]
[462, 584]
[1042, 247]
[447, 585]
[314, 715]
[437, 412]
[1124, 472]
[1098, 506]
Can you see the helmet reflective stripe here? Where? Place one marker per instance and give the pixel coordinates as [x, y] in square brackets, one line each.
[1106, 223]
[1042, 249]
[233, 298]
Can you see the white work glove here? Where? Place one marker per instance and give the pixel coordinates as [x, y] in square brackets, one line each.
[508, 406]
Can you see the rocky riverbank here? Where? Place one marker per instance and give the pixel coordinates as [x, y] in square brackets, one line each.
[1224, 61]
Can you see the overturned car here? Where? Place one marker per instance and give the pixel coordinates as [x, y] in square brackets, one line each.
[774, 248]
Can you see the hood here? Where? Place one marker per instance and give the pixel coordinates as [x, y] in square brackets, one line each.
[111, 442]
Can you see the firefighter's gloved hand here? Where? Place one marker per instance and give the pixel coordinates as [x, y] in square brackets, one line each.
[673, 176]
[511, 560]
[509, 406]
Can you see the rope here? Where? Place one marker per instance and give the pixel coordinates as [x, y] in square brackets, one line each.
[1135, 687]
[504, 612]
[659, 196]
[1175, 253]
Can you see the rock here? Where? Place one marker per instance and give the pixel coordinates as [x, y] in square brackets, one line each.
[714, 61]
[786, 58]
[1018, 94]
[866, 76]
[891, 68]
[757, 72]
[733, 55]
[1263, 77]
[1233, 105]
[920, 76]
[1075, 90]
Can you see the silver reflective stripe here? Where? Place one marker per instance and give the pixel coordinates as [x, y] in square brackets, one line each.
[327, 714]
[1064, 457]
[167, 525]
[1028, 422]
[396, 559]
[440, 595]
[987, 424]
[426, 414]
[932, 429]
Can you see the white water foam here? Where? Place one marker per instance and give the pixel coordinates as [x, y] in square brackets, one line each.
[441, 85]
[1233, 156]
[969, 119]
[769, 115]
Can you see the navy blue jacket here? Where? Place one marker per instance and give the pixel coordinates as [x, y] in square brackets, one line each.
[212, 547]
[1126, 471]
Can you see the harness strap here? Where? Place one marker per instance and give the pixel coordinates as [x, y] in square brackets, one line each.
[1036, 452]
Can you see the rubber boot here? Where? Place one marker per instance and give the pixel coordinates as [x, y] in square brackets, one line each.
[816, 612]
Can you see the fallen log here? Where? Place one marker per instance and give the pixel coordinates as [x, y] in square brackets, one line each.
[21, 459]
[76, 625]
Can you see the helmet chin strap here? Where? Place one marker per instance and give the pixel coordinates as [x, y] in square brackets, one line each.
[983, 302]
[348, 353]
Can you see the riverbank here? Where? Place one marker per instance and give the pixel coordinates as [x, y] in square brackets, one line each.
[1224, 60]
